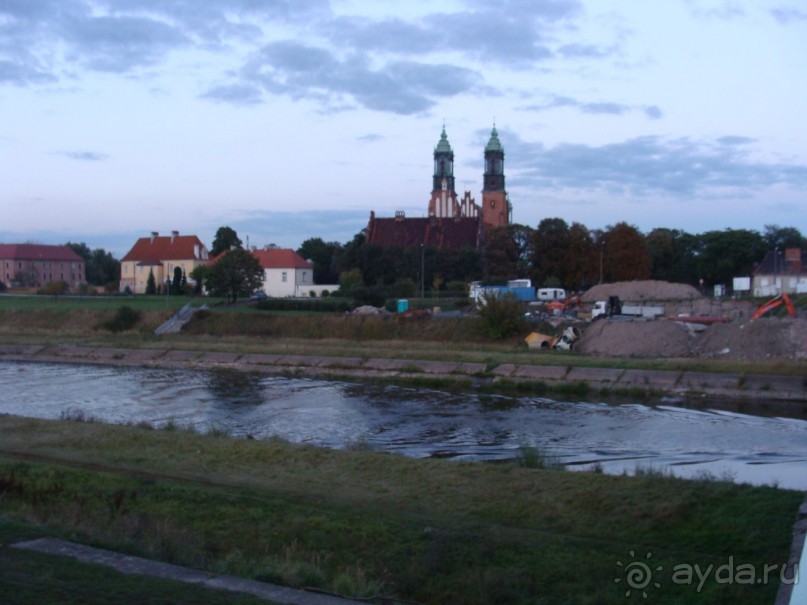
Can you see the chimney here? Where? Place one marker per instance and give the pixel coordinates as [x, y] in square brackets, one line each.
[154, 236]
[174, 234]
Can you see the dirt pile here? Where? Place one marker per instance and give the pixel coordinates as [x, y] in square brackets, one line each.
[766, 338]
[642, 291]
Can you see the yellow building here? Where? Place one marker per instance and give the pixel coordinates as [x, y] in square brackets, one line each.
[161, 255]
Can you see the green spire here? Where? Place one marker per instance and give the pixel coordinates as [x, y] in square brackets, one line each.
[443, 146]
[493, 143]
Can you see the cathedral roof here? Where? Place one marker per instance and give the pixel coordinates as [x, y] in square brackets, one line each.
[493, 143]
[443, 146]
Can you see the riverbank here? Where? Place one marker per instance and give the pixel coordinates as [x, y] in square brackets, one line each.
[366, 524]
[767, 389]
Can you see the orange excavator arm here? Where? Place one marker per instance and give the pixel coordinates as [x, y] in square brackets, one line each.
[776, 301]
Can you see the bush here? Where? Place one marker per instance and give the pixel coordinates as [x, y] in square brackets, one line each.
[501, 316]
[125, 319]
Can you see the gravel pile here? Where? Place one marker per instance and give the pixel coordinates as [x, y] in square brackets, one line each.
[642, 291]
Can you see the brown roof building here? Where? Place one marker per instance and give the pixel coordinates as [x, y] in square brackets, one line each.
[451, 222]
[160, 256]
[34, 265]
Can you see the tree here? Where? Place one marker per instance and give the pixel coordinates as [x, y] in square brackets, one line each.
[176, 282]
[783, 237]
[673, 255]
[325, 257]
[728, 254]
[226, 239]
[549, 244]
[100, 267]
[624, 252]
[55, 288]
[236, 273]
[199, 276]
[151, 283]
[507, 252]
[581, 263]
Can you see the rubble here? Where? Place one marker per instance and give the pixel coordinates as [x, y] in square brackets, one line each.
[738, 338]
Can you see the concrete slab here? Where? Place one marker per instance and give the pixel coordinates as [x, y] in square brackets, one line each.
[341, 362]
[540, 372]
[385, 364]
[660, 379]
[299, 360]
[437, 367]
[471, 368]
[219, 357]
[610, 375]
[137, 565]
[789, 384]
[704, 380]
[180, 355]
[24, 350]
[505, 369]
[259, 359]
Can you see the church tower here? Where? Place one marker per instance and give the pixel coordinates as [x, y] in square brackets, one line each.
[495, 205]
[443, 202]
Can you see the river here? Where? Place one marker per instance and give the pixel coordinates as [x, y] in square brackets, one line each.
[668, 436]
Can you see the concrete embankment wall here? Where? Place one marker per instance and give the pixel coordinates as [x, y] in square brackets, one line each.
[752, 387]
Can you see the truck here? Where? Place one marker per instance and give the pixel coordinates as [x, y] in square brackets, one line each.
[521, 289]
[613, 307]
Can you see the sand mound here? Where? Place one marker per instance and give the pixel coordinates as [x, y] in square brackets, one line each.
[766, 338]
[636, 339]
[642, 291]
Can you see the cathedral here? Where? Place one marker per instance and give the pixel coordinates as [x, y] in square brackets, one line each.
[450, 222]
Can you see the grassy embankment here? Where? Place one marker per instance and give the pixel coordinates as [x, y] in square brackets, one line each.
[361, 523]
[241, 328]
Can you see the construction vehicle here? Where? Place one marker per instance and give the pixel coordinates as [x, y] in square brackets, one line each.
[776, 301]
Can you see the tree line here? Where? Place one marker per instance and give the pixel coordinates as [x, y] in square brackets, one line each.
[555, 254]
[552, 254]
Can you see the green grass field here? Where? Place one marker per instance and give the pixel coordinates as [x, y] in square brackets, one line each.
[365, 524]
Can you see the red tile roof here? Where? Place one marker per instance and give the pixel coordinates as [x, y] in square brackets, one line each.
[448, 233]
[38, 252]
[281, 258]
[161, 247]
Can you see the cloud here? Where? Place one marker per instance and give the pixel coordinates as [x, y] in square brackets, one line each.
[652, 112]
[237, 94]
[786, 16]
[649, 166]
[404, 87]
[726, 11]
[84, 156]
[119, 44]
[370, 138]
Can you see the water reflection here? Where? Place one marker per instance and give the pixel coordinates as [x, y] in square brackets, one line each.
[423, 422]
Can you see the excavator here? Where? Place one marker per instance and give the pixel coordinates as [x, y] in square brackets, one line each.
[776, 301]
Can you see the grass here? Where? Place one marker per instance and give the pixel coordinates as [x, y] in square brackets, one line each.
[361, 523]
[240, 328]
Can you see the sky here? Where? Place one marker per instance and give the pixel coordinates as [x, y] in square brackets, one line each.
[291, 119]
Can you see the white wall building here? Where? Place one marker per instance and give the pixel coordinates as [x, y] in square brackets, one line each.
[285, 273]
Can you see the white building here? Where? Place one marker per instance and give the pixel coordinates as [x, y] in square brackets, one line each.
[285, 273]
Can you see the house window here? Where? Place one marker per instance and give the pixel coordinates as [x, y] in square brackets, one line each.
[284, 277]
[304, 274]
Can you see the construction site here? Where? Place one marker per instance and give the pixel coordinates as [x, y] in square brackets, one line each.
[675, 320]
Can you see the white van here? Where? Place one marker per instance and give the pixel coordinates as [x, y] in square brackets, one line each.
[549, 294]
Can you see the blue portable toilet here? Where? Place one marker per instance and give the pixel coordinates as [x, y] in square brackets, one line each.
[403, 305]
